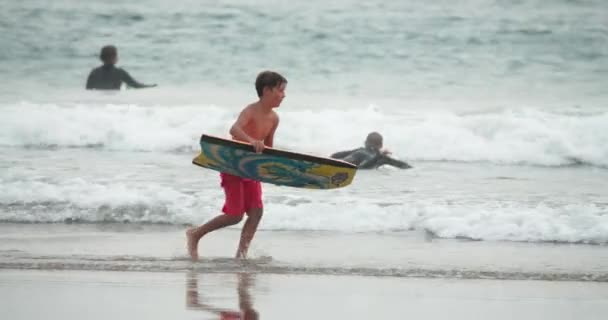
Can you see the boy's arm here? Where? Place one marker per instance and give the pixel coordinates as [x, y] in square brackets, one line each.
[238, 133]
[269, 141]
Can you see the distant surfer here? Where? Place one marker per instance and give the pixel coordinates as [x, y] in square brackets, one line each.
[108, 76]
[256, 125]
[371, 155]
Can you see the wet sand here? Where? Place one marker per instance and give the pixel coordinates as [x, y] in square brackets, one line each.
[151, 295]
[115, 271]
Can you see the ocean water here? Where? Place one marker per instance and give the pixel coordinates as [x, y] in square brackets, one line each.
[500, 106]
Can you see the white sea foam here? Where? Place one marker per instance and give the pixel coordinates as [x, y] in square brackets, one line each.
[509, 136]
[82, 201]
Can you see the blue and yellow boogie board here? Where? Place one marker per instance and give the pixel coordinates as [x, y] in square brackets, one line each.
[273, 166]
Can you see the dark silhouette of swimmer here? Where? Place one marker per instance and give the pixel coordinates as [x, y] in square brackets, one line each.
[371, 156]
[108, 76]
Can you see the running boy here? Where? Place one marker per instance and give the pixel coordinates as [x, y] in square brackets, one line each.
[256, 125]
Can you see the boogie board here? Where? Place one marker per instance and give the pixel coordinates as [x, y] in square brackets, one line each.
[274, 166]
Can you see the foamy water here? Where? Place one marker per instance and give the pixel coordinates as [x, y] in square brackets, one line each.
[507, 136]
[447, 199]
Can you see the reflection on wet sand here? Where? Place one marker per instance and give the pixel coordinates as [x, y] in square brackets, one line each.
[246, 310]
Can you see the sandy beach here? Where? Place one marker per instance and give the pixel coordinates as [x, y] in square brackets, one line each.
[136, 295]
[115, 271]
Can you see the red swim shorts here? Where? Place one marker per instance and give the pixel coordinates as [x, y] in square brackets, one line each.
[241, 194]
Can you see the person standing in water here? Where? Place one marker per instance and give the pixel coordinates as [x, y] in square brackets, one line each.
[256, 125]
[108, 76]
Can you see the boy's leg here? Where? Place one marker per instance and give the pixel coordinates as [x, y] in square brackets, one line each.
[233, 213]
[249, 228]
[193, 235]
[253, 205]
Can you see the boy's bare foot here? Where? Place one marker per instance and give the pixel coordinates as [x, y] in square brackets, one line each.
[192, 244]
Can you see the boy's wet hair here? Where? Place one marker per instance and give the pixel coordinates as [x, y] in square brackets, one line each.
[108, 54]
[268, 79]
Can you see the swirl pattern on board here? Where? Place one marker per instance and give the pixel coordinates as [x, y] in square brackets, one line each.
[272, 168]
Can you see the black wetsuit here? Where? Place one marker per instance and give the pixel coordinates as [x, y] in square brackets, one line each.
[108, 77]
[367, 158]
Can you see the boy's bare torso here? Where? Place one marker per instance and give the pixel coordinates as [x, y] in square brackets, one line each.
[261, 122]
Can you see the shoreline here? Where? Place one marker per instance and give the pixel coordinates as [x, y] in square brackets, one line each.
[390, 255]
